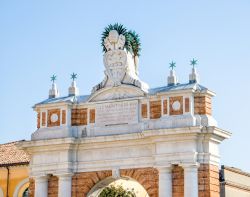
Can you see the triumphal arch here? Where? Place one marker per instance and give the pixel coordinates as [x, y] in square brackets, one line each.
[158, 142]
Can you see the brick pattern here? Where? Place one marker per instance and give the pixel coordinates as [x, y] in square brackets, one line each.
[92, 116]
[203, 105]
[38, 120]
[63, 116]
[155, 109]
[187, 105]
[32, 188]
[53, 186]
[50, 113]
[43, 119]
[177, 181]
[171, 102]
[208, 177]
[84, 181]
[79, 117]
[144, 110]
[165, 106]
[147, 177]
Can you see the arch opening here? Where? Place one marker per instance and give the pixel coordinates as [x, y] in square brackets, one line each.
[126, 183]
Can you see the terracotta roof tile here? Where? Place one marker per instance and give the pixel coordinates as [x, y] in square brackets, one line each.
[10, 154]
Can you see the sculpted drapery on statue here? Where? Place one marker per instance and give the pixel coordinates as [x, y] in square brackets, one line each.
[121, 51]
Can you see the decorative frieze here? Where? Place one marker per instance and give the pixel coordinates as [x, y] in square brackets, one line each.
[203, 105]
[187, 105]
[92, 116]
[43, 119]
[165, 106]
[38, 120]
[144, 110]
[79, 117]
[53, 117]
[63, 116]
[176, 105]
[155, 109]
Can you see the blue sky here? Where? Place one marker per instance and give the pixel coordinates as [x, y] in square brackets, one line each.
[40, 38]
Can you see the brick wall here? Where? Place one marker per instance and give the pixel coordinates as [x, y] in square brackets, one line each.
[165, 106]
[53, 186]
[92, 115]
[155, 109]
[38, 120]
[79, 117]
[84, 181]
[187, 105]
[147, 177]
[209, 185]
[177, 181]
[63, 116]
[144, 110]
[32, 188]
[203, 105]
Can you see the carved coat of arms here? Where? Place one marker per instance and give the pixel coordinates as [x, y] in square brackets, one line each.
[119, 64]
[115, 58]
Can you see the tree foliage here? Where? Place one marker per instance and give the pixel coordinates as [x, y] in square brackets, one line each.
[132, 43]
[119, 191]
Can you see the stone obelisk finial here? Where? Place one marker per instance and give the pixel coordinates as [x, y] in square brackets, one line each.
[53, 92]
[73, 89]
[172, 79]
[193, 77]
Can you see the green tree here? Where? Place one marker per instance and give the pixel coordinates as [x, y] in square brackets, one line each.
[119, 191]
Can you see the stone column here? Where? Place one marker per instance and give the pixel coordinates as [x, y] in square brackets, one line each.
[191, 186]
[165, 181]
[64, 185]
[41, 186]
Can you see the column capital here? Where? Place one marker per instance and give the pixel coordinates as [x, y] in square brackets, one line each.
[64, 175]
[41, 178]
[167, 168]
[190, 166]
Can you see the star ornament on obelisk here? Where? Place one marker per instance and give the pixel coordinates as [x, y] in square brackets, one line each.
[53, 92]
[194, 77]
[172, 79]
[193, 62]
[172, 65]
[73, 76]
[53, 78]
[73, 89]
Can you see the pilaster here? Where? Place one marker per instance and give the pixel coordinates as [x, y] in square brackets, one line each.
[64, 185]
[165, 181]
[41, 186]
[191, 186]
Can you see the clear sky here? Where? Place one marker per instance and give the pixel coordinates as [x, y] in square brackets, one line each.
[40, 38]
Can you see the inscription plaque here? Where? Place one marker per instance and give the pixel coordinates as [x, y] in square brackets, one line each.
[116, 113]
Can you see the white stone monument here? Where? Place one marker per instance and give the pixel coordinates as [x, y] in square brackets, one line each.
[125, 132]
